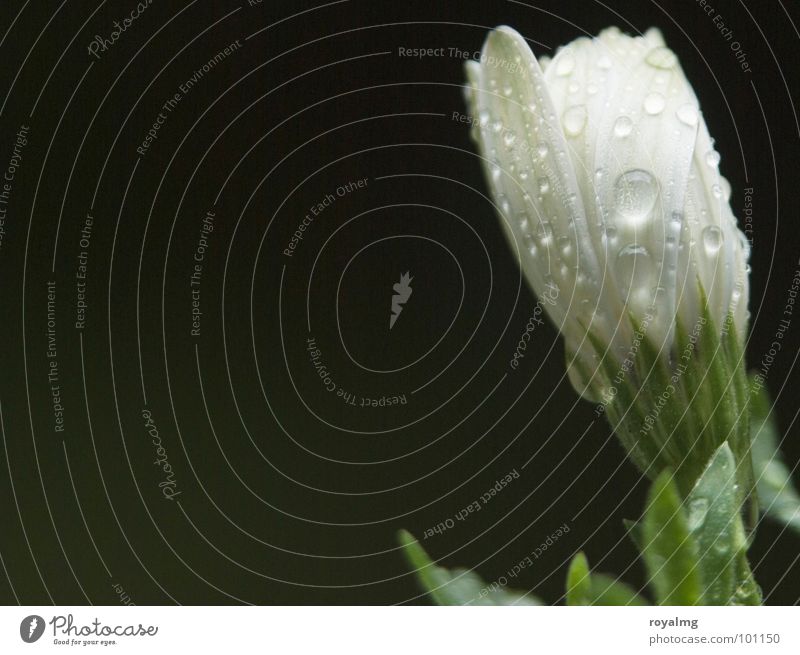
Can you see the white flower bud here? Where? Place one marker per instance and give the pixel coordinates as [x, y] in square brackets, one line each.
[608, 187]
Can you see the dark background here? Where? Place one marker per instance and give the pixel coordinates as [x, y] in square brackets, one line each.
[287, 493]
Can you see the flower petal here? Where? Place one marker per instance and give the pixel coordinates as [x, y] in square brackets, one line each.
[530, 168]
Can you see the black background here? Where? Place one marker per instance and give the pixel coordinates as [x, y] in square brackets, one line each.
[287, 494]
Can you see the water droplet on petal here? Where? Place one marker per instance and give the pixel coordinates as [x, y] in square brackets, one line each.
[744, 244]
[633, 270]
[623, 126]
[565, 64]
[542, 150]
[604, 62]
[574, 120]
[509, 137]
[654, 103]
[687, 114]
[635, 193]
[610, 235]
[661, 57]
[716, 189]
[505, 206]
[565, 246]
[712, 239]
[712, 158]
[726, 188]
[544, 184]
[545, 234]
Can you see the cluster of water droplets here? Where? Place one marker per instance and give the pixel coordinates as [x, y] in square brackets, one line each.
[640, 240]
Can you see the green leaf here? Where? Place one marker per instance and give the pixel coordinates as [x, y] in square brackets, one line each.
[776, 492]
[579, 581]
[670, 551]
[715, 521]
[457, 586]
[585, 588]
[634, 531]
[607, 590]
[747, 591]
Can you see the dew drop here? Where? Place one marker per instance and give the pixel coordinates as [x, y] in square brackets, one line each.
[716, 189]
[604, 62]
[712, 239]
[509, 137]
[484, 117]
[623, 126]
[687, 114]
[542, 150]
[574, 120]
[712, 158]
[661, 57]
[565, 64]
[744, 243]
[633, 268]
[503, 204]
[545, 234]
[544, 184]
[698, 510]
[635, 193]
[523, 174]
[654, 103]
[721, 547]
[610, 235]
[497, 126]
[726, 188]
[565, 246]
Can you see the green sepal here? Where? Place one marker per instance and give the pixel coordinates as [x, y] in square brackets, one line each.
[586, 588]
[610, 591]
[715, 522]
[777, 494]
[634, 531]
[673, 409]
[579, 581]
[670, 552]
[456, 586]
